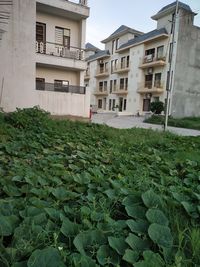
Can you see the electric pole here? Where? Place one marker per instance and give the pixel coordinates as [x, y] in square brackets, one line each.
[170, 76]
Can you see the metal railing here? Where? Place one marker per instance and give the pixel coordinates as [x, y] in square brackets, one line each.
[79, 2]
[58, 50]
[102, 71]
[75, 89]
[153, 58]
[156, 84]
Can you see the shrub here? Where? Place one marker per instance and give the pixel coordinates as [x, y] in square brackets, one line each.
[157, 107]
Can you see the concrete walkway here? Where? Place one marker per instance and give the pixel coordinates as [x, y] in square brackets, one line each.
[126, 122]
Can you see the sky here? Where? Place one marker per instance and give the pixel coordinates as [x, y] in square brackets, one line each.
[107, 15]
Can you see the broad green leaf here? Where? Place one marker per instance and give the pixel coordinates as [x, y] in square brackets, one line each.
[151, 259]
[62, 194]
[118, 244]
[8, 224]
[20, 264]
[69, 228]
[89, 238]
[190, 208]
[53, 213]
[137, 212]
[105, 255]
[48, 257]
[137, 243]
[132, 200]
[138, 226]
[161, 235]
[151, 200]
[82, 261]
[157, 216]
[131, 256]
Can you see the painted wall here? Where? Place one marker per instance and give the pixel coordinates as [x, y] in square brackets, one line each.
[52, 21]
[17, 53]
[51, 74]
[58, 103]
[186, 92]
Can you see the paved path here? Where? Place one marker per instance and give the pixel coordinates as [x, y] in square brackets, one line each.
[126, 122]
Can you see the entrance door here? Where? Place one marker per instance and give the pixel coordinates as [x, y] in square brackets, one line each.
[41, 37]
[120, 104]
[146, 105]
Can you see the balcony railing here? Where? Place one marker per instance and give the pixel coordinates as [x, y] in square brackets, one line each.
[58, 50]
[80, 2]
[102, 72]
[151, 87]
[75, 89]
[152, 60]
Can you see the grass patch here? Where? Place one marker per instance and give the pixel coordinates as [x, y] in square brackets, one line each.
[78, 194]
[188, 122]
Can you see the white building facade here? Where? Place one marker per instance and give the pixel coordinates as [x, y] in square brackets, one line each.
[136, 69]
[43, 58]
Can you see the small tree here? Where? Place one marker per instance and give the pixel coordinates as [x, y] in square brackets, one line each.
[157, 107]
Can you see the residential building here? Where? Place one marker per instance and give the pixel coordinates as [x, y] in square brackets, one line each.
[136, 69]
[43, 57]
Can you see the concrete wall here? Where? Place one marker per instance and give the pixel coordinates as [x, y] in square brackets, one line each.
[186, 92]
[52, 21]
[17, 54]
[51, 74]
[58, 103]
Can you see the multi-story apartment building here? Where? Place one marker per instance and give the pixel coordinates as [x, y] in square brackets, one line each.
[43, 58]
[136, 69]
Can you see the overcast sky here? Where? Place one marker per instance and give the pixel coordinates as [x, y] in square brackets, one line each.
[107, 15]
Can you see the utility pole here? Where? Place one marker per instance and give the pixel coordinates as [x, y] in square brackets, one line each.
[170, 76]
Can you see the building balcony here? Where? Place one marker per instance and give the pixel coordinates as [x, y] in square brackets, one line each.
[102, 72]
[74, 89]
[152, 61]
[121, 91]
[76, 10]
[122, 69]
[87, 75]
[52, 54]
[150, 87]
[101, 92]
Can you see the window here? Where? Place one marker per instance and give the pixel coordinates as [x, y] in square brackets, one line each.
[160, 52]
[150, 52]
[127, 61]
[123, 84]
[157, 81]
[148, 81]
[146, 105]
[156, 98]
[110, 104]
[121, 87]
[115, 85]
[61, 85]
[62, 37]
[114, 64]
[40, 37]
[100, 86]
[113, 104]
[105, 83]
[123, 60]
[126, 83]
[99, 103]
[125, 104]
[40, 84]
[113, 46]
[111, 86]
[117, 44]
